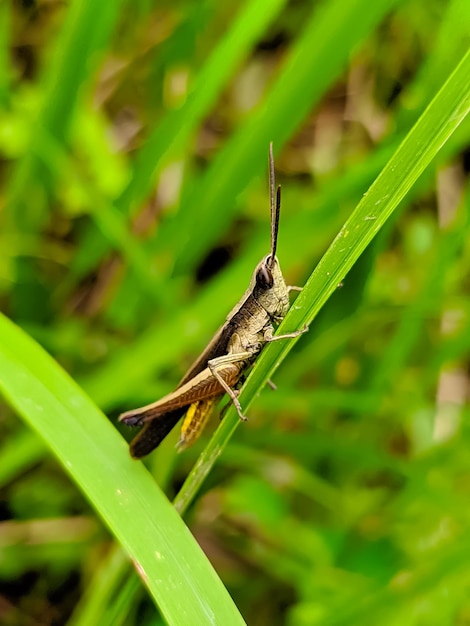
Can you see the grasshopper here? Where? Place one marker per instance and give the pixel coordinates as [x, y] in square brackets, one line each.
[234, 348]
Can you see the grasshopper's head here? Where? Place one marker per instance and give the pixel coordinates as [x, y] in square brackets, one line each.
[270, 289]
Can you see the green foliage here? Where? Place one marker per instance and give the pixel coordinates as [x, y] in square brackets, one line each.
[134, 142]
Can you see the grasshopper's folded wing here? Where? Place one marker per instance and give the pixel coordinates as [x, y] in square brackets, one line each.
[154, 432]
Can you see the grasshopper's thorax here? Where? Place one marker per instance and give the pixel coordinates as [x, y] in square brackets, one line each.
[270, 289]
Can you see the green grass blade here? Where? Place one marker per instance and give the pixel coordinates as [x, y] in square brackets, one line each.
[85, 33]
[169, 560]
[5, 71]
[98, 598]
[421, 145]
[176, 127]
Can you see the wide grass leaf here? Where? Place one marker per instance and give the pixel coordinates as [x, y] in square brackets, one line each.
[174, 568]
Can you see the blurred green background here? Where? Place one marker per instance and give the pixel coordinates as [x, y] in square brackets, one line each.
[133, 143]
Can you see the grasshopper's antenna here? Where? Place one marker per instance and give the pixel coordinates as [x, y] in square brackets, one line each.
[275, 206]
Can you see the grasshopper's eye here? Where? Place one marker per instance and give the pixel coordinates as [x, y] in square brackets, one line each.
[264, 277]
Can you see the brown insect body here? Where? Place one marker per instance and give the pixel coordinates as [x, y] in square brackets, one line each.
[237, 344]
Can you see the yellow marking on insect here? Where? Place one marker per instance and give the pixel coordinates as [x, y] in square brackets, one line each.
[195, 420]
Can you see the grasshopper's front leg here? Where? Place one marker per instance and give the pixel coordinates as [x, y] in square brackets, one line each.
[269, 337]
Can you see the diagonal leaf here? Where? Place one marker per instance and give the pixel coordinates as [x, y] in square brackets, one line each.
[421, 145]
